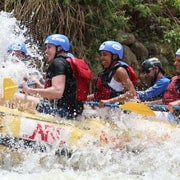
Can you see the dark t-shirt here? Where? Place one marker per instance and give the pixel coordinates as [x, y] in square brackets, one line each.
[60, 66]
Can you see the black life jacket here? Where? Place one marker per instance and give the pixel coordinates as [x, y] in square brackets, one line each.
[102, 90]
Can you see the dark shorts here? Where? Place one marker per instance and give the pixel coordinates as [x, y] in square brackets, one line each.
[46, 107]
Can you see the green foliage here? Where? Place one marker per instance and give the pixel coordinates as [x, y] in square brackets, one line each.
[90, 22]
[173, 3]
[172, 37]
[65, 2]
[144, 10]
[103, 22]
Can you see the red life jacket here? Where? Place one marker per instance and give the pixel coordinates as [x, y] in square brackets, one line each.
[47, 83]
[173, 90]
[83, 75]
[102, 90]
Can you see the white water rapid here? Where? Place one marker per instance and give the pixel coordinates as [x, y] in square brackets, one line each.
[144, 150]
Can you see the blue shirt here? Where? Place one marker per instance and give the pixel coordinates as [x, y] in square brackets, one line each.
[155, 91]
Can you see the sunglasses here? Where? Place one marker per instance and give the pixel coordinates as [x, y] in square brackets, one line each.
[147, 71]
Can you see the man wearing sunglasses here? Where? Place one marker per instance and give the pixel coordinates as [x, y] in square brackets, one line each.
[171, 96]
[152, 68]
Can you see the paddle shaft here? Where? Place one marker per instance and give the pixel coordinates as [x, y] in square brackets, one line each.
[10, 87]
[29, 84]
[106, 104]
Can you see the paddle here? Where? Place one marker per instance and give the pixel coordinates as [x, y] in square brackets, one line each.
[139, 108]
[9, 88]
[160, 107]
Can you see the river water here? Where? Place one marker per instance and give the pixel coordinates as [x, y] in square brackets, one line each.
[146, 150]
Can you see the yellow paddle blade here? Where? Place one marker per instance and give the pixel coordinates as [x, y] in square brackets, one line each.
[139, 108]
[9, 88]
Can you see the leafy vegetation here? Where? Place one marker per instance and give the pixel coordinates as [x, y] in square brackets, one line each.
[89, 22]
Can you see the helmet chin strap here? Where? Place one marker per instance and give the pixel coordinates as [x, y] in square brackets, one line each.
[57, 52]
[112, 61]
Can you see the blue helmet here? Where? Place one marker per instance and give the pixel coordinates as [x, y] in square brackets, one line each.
[17, 46]
[178, 52]
[112, 46]
[58, 40]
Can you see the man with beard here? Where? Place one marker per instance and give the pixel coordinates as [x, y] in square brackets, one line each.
[152, 68]
[171, 96]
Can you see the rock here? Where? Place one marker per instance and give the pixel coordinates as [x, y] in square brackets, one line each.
[140, 51]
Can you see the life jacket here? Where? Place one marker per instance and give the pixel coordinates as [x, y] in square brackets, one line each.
[173, 90]
[83, 75]
[131, 72]
[102, 90]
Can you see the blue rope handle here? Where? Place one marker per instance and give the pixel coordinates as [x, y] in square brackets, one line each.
[97, 103]
[162, 107]
[29, 84]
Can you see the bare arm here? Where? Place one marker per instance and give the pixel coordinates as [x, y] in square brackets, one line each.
[171, 104]
[158, 101]
[90, 97]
